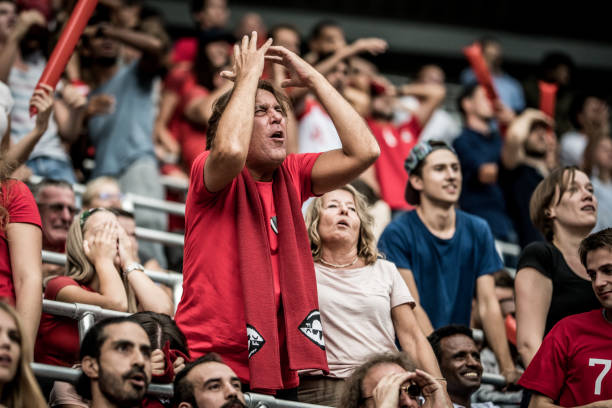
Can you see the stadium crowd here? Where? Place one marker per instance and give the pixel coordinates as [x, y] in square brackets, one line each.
[340, 229]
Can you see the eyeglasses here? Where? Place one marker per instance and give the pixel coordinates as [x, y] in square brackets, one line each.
[59, 207]
[87, 213]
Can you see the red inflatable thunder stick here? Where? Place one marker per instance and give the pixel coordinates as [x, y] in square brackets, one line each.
[474, 55]
[548, 97]
[67, 41]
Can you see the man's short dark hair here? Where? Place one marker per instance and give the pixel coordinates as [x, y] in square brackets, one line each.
[183, 389]
[91, 346]
[601, 239]
[223, 101]
[317, 30]
[283, 26]
[436, 337]
[352, 396]
[48, 182]
[466, 92]
[488, 40]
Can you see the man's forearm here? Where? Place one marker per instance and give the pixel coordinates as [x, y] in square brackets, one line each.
[142, 41]
[8, 55]
[357, 140]
[496, 335]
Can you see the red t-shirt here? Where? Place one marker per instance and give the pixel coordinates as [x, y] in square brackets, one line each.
[191, 136]
[185, 49]
[573, 364]
[17, 200]
[57, 342]
[211, 311]
[395, 143]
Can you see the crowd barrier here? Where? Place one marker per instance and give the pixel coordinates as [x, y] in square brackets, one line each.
[172, 279]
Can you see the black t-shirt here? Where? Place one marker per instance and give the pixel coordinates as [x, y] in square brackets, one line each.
[518, 186]
[571, 294]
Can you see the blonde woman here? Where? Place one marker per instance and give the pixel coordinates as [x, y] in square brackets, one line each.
[363, 300]
[101, 270]
[18, 387]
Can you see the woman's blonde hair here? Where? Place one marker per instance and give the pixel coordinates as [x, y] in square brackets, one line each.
[93, 187]
[366, 245]
[22, 391]
[78, 266]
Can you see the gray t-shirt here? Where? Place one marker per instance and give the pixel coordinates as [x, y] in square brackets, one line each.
[126, 134]
[22, 84]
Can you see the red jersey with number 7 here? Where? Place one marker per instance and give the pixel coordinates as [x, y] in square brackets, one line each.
[574, 363]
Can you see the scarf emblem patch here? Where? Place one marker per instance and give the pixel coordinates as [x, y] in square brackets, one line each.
[256, 340]
[312, 328]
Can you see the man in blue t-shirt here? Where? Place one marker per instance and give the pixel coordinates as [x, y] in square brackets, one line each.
[446, 256]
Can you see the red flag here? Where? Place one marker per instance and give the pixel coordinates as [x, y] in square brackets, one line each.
[67, 41]
[548, 97]
[474, 55]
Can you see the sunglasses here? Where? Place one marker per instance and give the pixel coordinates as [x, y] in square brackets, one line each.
[87, 213]
[59, 207]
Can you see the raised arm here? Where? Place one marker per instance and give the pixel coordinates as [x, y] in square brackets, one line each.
[10, 51]
[516, 134]
[229, 150]
[17, 154]
[533, 296]
[430, 96]
[492, 322]
[359, 148]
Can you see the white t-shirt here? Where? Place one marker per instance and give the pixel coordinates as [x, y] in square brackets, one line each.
[355, 307]
[316, 130]
[572, 148]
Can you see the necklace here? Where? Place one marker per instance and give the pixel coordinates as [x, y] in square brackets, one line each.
[340, 266]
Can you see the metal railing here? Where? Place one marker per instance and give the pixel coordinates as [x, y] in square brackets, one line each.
[136, 200]
[172, 279]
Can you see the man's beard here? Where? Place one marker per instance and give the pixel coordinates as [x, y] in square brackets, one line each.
[35, 40]
[533, 153]
[112, 388]
[105, 62]
[233, 403]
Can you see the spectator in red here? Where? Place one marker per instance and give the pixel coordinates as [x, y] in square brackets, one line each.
[249, 288]
[20, 227]
[186, 102]
[387, 177]
[207, 15]
[57, 207]
[572, 366]
[18, 386]
[102, 270]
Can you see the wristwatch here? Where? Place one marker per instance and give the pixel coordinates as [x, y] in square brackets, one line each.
[133, 266]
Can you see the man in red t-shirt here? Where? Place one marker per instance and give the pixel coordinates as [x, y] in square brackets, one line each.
[573, 365]
[249, 292]
[387, 177]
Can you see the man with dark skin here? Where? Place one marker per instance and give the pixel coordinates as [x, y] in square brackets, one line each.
[459, 361]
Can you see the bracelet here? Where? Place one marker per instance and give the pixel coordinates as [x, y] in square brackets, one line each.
[134, 266]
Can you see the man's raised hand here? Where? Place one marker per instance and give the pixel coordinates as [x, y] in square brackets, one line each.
[248, 60]
[301, 73]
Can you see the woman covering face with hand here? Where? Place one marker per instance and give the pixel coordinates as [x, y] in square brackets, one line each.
[364, 301]
[101, 270]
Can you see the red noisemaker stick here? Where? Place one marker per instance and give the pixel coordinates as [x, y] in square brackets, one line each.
[548, 97]
[67, 41]
[474, 55]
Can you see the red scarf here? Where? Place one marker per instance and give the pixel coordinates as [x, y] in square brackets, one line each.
[302, 322]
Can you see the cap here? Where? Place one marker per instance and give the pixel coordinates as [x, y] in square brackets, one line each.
[418, 153]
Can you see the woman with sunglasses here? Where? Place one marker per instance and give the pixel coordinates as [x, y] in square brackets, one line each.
[101, 270]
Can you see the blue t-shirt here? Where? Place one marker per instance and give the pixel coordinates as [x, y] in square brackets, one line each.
[445, 270]
[484, 200]
[126, 134]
